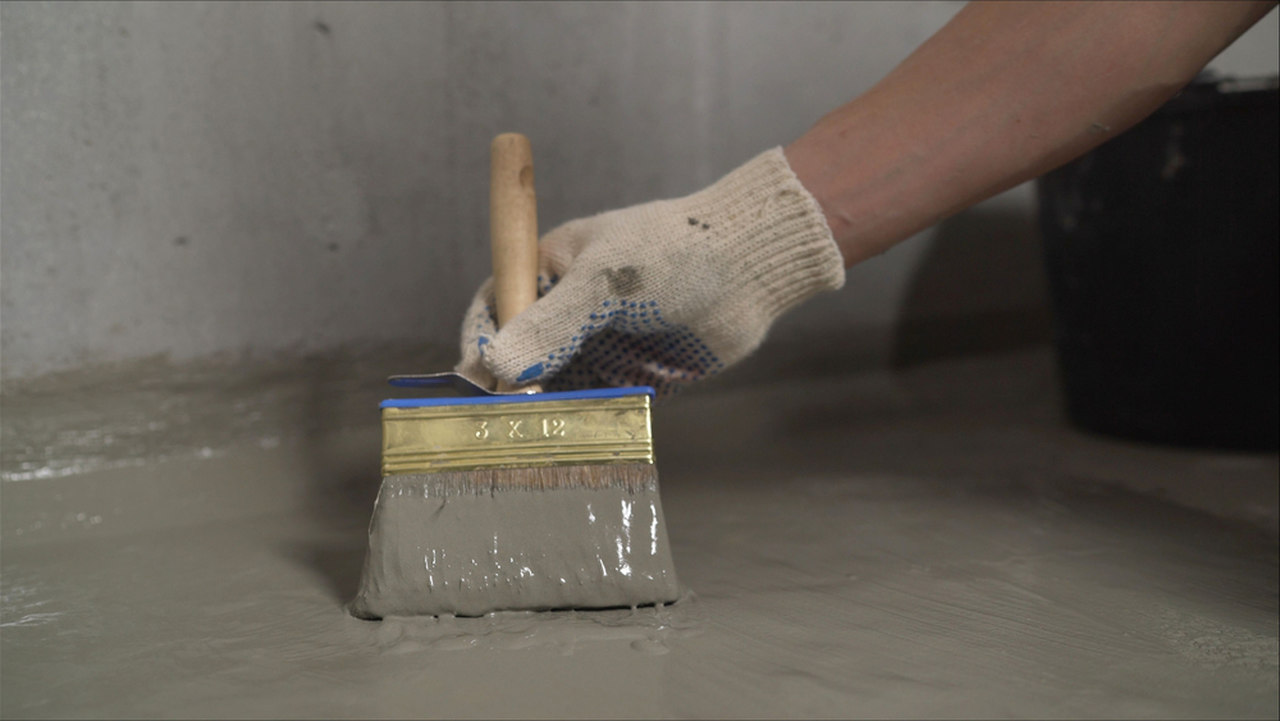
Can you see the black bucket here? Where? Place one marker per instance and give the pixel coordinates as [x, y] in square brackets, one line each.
[1161, 247]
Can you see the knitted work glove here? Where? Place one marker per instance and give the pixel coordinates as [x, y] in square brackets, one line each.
[661, 294]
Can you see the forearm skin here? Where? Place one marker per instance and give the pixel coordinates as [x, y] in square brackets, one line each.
[1003, 93]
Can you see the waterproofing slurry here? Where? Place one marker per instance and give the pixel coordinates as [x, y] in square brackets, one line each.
[845, 549]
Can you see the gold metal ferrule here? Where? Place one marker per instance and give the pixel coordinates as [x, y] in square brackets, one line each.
[515, 435]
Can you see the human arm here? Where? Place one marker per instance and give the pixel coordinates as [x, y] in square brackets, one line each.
[1003, 93]
[670, 292]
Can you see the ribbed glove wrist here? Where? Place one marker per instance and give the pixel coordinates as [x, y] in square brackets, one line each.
[771, 236]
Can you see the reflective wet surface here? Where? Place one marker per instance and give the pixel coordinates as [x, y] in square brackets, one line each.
[927, 543]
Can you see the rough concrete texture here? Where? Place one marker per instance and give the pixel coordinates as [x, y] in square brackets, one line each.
[196, 179]
[920, 544]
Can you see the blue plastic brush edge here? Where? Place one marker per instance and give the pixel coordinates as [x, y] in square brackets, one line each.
[593, 393]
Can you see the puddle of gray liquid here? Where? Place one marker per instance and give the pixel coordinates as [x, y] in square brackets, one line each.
[934, 567]
[816, 596]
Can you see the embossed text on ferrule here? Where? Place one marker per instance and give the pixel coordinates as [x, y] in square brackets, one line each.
[518, 429]
[614, 430]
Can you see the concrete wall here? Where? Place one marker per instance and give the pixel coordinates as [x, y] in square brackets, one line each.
[191, 180]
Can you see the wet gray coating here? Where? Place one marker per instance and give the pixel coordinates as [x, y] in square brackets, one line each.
[434, 552]
[925, 544]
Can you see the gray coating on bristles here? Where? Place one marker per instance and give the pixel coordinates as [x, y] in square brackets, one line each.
[473, 542]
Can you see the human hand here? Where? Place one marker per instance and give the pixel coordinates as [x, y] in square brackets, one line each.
[661, 294]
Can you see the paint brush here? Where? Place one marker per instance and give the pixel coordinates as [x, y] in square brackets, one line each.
[518, 500]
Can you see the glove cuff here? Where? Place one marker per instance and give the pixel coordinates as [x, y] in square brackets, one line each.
[775, 231]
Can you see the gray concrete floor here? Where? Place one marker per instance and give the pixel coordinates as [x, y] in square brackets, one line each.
[933, 542]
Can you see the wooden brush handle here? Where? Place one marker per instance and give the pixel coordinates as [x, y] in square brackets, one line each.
[513, 228]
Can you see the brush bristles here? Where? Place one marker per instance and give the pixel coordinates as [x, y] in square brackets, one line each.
[631, 477]
[474, 542]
